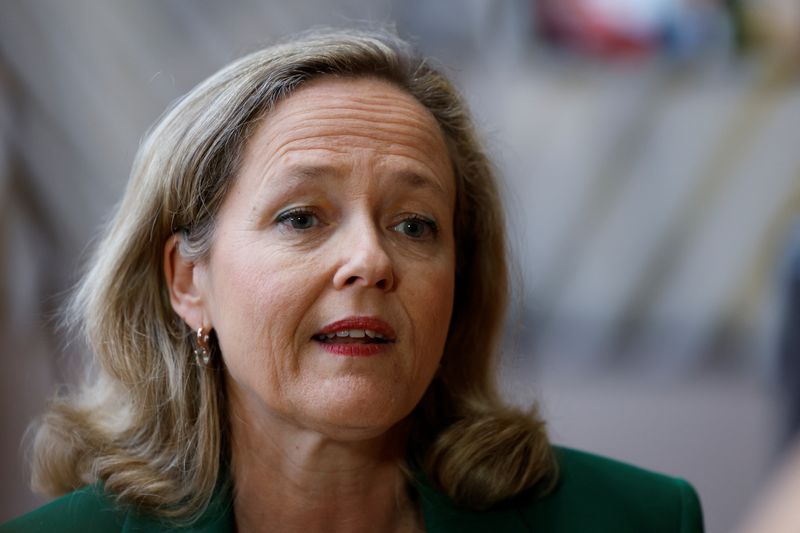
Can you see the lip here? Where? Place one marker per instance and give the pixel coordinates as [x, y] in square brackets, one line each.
[360, 322]
[358, 349]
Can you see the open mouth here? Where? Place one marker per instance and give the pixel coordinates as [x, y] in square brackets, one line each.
[353, 336]
[356, 330]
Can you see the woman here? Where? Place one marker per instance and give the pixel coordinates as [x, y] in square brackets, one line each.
[295, 314]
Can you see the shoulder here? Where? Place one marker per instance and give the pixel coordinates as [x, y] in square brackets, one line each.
[91, 510]
[86, 509]
[622, 497]
[593, 493]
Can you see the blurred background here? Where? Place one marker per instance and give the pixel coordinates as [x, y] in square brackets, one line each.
[651, 157]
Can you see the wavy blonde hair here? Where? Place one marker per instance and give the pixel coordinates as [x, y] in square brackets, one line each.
[150, 424]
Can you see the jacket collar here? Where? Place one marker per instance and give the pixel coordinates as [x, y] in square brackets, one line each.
[438, 511]
[441, 515]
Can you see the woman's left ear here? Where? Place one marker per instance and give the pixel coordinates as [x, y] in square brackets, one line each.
[185, 293]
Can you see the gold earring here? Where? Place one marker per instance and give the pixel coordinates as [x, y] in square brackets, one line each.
[202, 351]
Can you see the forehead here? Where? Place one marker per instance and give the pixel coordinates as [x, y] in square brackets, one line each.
[329, 119]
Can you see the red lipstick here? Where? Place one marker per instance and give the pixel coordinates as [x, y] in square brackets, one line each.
[356, 336]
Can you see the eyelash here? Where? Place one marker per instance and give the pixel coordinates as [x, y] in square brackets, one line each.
[427, 222]
[287, 217]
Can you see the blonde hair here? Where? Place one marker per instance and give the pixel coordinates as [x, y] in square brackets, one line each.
[150, 424]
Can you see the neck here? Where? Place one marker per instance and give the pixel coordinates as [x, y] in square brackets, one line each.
[288, 478]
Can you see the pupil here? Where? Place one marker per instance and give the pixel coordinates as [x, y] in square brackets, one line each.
[414, 228]
[301, 221]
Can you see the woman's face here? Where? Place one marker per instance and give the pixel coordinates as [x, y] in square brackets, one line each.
[331, 276]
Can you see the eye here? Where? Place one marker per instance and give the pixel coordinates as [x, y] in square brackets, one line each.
[298, 219]
[417, 227]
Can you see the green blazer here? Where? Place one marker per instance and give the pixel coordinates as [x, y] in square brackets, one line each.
[594, 494]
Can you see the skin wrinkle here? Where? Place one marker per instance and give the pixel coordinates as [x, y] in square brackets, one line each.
[339, 171]
[356, 116]
[356, 130]
[406, 177]
[286, 152]
[302, 174]
[268, 288]
[406, 111]
[409, 109]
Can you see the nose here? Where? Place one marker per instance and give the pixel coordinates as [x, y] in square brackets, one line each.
[364, 260]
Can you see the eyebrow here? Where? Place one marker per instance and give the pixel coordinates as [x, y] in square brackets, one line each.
[312, 172]
[301, 173]
[419, 181]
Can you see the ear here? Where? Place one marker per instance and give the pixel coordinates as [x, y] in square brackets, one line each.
[185, 291]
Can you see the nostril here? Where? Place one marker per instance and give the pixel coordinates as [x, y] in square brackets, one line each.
[381, 284]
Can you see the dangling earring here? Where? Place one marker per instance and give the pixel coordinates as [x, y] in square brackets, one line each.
[202, 351]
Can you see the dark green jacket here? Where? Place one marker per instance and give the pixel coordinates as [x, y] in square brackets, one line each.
[594, 495]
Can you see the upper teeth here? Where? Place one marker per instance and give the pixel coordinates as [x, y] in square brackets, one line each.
[355, 333]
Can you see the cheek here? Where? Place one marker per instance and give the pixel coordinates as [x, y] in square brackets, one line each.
[431, 312]
[257, 313]
[254, 287]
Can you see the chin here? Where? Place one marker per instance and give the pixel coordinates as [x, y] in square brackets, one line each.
[360, 412]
